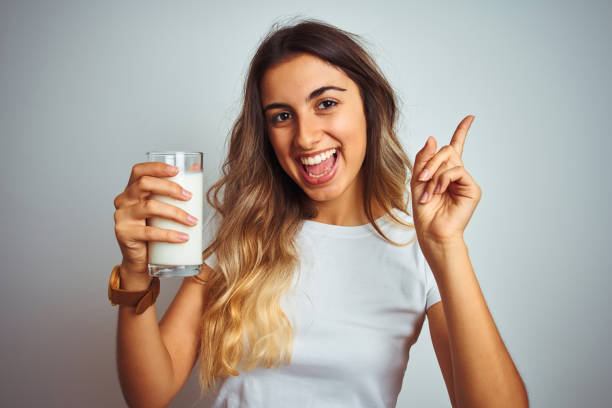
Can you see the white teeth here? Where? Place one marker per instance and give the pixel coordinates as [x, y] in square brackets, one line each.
[318, 158]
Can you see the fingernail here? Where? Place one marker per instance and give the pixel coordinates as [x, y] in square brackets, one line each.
[182, 236]
[424, 197]
[424, 175]
[186, 194]
[437, 190]
[171, 169]
[192, 219]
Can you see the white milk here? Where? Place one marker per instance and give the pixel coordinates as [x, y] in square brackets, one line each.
[184, 253]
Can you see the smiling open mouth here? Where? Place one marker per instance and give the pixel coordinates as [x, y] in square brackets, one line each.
[321, 164]
[320, 168]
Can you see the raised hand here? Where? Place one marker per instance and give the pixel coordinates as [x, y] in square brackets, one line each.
[444, 194]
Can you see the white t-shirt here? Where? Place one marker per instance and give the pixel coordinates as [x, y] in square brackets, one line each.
[357, 306]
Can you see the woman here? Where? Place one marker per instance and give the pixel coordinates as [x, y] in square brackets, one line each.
[314, 285]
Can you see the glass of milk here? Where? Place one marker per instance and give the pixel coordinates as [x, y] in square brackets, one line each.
[168, 259]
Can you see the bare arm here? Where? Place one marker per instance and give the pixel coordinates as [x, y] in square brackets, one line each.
[154, 360]
[483, 373]
[441, 344]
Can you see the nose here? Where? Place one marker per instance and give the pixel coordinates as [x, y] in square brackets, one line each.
[308, 133]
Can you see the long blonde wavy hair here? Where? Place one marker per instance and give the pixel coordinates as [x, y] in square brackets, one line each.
[262, 208]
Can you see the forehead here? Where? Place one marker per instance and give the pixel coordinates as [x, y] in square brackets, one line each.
[294, 79]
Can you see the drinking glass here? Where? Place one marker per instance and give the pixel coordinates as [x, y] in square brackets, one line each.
[168, 259]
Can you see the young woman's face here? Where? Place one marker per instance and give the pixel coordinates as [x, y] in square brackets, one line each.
[317, 126]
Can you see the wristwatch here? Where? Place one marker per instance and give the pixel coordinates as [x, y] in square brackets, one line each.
[141, 299]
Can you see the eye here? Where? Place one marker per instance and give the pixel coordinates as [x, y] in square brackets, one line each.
[280, 117]
[327, 103]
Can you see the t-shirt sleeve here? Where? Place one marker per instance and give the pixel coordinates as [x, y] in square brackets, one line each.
[209, 231]
[433, 294]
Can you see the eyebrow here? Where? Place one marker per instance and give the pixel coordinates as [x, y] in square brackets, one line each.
[313, 94]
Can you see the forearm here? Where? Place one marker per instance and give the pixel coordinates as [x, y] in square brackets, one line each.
[144, 364]
[483, 371]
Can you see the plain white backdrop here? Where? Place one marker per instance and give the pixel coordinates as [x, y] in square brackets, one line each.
[88, 87]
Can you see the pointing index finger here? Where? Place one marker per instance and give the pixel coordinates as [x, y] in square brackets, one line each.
[458, 139]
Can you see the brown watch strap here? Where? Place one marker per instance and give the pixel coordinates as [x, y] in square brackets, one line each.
[140, 299]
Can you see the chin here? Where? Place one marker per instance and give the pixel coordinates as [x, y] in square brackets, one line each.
[320, 197]
[322, 194]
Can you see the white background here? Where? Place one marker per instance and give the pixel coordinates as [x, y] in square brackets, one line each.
[86, 88]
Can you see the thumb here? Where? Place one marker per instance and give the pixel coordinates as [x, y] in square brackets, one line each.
[424, 155]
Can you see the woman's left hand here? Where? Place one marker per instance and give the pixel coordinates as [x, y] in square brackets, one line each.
[446, 211]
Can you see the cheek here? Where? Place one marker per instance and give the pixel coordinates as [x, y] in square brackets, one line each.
[281, 151]
[276, 142]
[351, 131]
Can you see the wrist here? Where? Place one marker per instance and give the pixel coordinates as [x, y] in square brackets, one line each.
[439, 249]
[133, 280]
[439, 243]
[134, 292]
